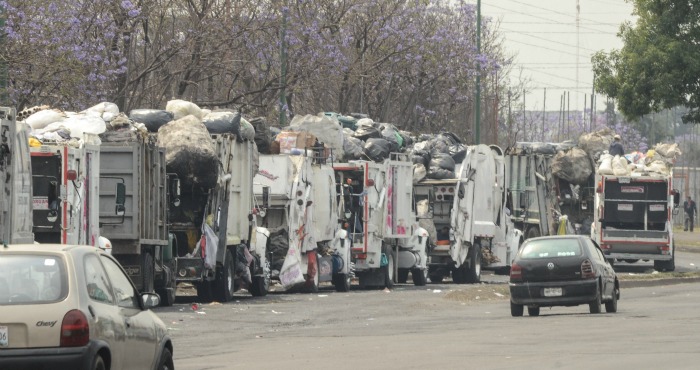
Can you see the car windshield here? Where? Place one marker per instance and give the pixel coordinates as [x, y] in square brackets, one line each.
[32, 279]
[548, 248]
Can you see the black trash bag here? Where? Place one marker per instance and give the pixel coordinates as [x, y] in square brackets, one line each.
[442, 161]
[352, 147]
[440, 174]
[365, 133]
[458, 152]
[454, 139]
[377, 149]
[278, 245]
[151, 118]
[425, 137]
[439, 145]
[420, 157]
[223, 122]
[407, 138]
[263, 138]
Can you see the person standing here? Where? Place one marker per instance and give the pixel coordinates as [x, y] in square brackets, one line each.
[616, 147]
[689, 208]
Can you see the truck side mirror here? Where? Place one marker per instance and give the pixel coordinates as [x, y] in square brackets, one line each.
[120, 199]
[460, 191]
[175, 191]
[53, 201]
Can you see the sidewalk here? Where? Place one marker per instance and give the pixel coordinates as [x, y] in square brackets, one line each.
[687, 241]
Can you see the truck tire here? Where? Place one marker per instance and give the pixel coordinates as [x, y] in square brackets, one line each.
[341, 282]
[458, 275]
[311, 285]
[224, 285]
[168, 292]
[533, 310]
[388, 270]
[260, 286]
[473, 271]
[402, 277]
[147, 273]
[419, 276]
[204, 291]
[436, 275]
[667, 266]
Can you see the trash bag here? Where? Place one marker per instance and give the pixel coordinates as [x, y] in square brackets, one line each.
[420, 157]
[352, 147]
[454, 139]
[364, 122]
[84, 124]
[247, 132]
[595, 143]
[182, 108]
[605, 167]
[152, 118]
[190, 152]
[458, 152]
[43, 118]
[425, 219]
[619, 165]
[440, 174]
[327, 130]
[573, 166]
[365, 133]
[262, 134]
[377, 149]
[222, 122]
[419, 172]
[535, 148]
[407, 138]
[348, 122]
[390, 133]
[442, 161]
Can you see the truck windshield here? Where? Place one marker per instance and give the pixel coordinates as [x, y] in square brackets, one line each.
[548, 248]
[32, 279]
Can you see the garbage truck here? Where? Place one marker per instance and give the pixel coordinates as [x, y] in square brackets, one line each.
[214, 228]
[298, 199]
[65, 191]
[471, 219]
[377, 206]
[15, 181]
[633, 217]
[135, 194]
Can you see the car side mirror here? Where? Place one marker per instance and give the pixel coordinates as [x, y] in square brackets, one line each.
[149, 300]
[120, 199]
[676, 197]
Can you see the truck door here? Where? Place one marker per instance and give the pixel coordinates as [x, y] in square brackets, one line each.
[46, 182]
[399, 192]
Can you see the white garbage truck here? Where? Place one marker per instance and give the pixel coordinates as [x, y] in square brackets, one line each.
[297, 194]
[15, 181]
[377, 206]
[471, 218]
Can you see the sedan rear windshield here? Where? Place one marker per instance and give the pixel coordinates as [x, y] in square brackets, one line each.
[548, 248]
[28, 279]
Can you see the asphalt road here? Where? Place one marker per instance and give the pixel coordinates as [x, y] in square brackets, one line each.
[439, 326]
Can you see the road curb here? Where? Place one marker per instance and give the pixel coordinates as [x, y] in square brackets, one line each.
[657, 282]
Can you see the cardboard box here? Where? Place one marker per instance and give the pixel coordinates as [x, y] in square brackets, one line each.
[289, 140]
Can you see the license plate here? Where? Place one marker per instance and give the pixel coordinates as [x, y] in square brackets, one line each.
[552, 292]
[4, 337]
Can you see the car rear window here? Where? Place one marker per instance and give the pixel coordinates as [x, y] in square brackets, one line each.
[548, 248]
[32, 279]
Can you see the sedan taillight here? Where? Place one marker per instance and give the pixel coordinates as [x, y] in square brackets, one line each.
[587, 269]
[75, 330]
[516, 272]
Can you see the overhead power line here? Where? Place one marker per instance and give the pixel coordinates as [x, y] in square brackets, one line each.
[557, 42]
[543, 18]
[564, 14]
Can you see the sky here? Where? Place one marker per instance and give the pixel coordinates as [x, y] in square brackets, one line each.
[542, 37]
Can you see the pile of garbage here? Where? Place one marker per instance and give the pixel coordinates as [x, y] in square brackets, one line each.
[358, 137]
[657, 161]
[183, 128]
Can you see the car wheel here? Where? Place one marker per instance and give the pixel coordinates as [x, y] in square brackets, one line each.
[533, 311]
[611, 305]
[594, 306]
[166, 360]
[99, 363]
[516, 310]
[223, 286]
[419, 276]
[472, 273]
[342, 282]
[402, 277]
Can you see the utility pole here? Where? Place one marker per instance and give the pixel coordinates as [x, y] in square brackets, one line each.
[510, 123]
[560, 123]
[283, 66]
[568, 115]
[3, 63]
[585, 104]
[477, 115]
[578, 42]
[544, 111]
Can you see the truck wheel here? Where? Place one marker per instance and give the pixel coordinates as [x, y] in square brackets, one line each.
[516, 310]
[402, 277]
[436, 278]
[341, 282]
[169, 291]
[419, 276]
[458, 275]
[260, 286]
[204, 291]
[223, 286]
[473, 272]
[147, 273]
[388, 270]
[533, 311]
